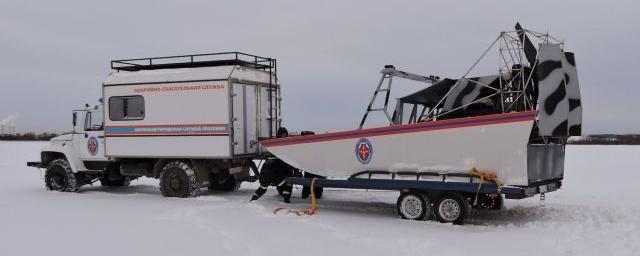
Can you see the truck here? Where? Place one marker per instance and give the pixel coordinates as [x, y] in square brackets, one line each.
[191, 121]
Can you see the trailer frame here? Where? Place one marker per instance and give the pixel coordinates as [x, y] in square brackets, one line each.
[432, 190]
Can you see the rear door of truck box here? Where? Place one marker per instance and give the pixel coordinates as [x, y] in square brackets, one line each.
[245, 118]
[252, 117]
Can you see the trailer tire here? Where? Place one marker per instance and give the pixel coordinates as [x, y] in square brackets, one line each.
[59, 176]
[413, 206]
[223, 183]
[178, 179]
[451, 208]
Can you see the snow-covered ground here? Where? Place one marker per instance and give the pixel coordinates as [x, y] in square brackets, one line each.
[596, 213]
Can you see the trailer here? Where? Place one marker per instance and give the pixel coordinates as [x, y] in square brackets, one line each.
[446, 197]
[191, 121]
[457, 143]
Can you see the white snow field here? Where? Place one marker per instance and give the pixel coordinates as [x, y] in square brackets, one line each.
[596, 213]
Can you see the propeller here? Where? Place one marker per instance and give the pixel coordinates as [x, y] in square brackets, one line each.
[529, 49]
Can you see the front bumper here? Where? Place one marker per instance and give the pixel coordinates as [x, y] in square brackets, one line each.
[36, 164]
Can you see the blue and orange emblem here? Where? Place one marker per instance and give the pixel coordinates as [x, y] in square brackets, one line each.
[92, 146]
[364, 151]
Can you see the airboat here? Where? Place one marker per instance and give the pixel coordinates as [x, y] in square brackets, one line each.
[514, 123]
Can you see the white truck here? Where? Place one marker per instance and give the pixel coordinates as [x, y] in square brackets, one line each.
[191, 121]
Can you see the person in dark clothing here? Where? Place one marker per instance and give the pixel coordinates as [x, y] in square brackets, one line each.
[274, 172]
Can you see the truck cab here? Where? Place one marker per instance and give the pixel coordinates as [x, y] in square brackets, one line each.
[78, 158]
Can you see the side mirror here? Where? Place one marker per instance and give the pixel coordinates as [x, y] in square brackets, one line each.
[75, 119]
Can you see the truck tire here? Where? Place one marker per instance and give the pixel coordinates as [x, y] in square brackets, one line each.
[59, 176]
[223, 183]
[413, 206]
[451, 208]
[178, 179]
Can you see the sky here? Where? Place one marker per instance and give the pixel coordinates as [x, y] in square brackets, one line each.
[54, 55]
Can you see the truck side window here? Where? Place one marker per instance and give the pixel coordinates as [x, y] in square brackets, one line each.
[122, 108]
[93, 121]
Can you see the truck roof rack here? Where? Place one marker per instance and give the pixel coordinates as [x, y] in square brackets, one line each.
[196, 60]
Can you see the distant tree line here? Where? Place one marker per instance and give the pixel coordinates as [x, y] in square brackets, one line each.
[606, 139]
[30, 136]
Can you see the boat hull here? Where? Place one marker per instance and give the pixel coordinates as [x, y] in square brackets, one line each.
[496, 143]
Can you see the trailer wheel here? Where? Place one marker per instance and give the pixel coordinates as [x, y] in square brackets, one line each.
[178, 179]
[413, 206]
[451, 208]
[59, 176]
[223, 183]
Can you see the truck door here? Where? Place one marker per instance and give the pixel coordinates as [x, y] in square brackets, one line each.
[89, 137]
[245, 119]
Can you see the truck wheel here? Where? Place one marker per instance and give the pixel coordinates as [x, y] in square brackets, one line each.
[413, 206]
[451, 208]
[178, 179]
[59, 176]
[223, 183]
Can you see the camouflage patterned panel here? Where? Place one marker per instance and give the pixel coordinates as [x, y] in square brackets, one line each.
[553, 106]
[573, 93]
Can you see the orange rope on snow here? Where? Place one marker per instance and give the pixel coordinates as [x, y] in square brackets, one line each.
[306, 212]
[277, 209]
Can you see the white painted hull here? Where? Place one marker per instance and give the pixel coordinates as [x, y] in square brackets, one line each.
[495, 143]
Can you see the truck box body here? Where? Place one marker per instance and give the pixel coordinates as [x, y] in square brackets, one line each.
[199, 112]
